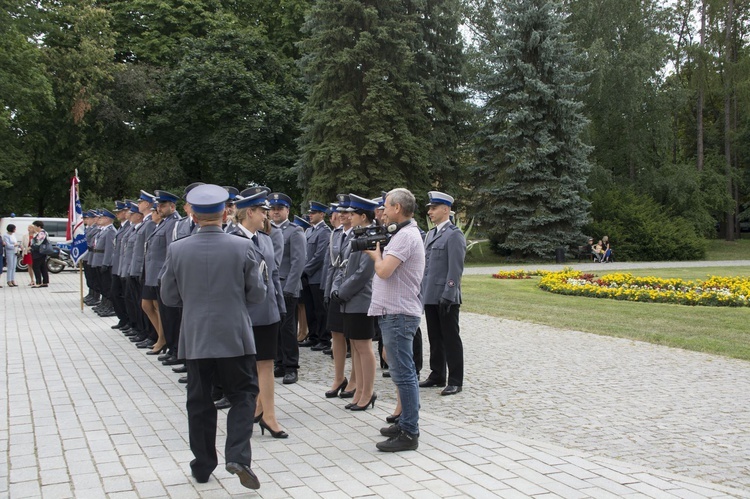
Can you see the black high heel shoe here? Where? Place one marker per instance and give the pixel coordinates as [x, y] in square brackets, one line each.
[335, 392]
[393, 418]
[274, 434]
[368, 404]
[257, 418]
[348, 406]
[347, 395]
[158, 352]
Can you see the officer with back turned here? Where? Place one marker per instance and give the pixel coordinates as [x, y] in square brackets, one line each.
[217, 335]
[317, 245]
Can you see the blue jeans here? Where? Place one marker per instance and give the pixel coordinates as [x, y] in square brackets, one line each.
[10, 262]
[398, 337]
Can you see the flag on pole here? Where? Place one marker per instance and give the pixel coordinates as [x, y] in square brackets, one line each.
[75, 232]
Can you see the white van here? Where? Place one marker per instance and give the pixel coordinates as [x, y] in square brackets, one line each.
[56, 229]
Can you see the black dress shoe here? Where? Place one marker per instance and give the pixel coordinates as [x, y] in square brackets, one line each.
[109, 313]
[139, 338]
[180, 369]
[223, 403]
[147, 343]
[429, 382]
[164, 356]
[308, 343]
[451, 390]
[119, 325]
[245, 474]
[402, 441]
[290, 378]
[328, 351]
[278, 372]
[173, 361]
[183, 379]
[319, 347]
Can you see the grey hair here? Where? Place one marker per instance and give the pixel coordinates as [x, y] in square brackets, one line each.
[404, 198]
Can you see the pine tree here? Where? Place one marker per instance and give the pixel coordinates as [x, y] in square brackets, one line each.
[532, 164]
[365, 125]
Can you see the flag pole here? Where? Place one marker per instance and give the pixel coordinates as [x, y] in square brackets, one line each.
[80, 278]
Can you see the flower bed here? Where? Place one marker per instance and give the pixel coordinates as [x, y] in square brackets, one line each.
[714, 291]
[519, 274]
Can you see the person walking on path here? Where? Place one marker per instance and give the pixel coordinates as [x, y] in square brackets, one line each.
[216, 339]
[39, 259]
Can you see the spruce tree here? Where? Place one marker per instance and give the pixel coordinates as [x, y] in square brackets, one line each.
[532, 164]
[365, 125]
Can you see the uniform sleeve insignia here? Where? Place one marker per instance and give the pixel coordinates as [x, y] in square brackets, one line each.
[451, 284]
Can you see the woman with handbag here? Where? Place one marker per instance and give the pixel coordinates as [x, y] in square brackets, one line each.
[40, 245]
[11, 249]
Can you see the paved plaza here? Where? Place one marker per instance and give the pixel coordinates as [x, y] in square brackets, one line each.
[544, 413]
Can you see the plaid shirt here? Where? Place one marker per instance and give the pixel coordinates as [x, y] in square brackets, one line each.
[400, 293]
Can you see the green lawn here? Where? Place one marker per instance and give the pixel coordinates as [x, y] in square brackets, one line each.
[717, 249]
[721, 331]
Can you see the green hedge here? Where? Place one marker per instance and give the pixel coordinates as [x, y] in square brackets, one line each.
[640, 229]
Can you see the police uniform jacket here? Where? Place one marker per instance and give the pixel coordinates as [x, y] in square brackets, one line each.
[444, 263]
[156, 249]
[119, 237]
[214, 292]
[90, 234]
[354, 282]
[126, 258]
[293, 257]
[317, 245]
[139, 249]
[333, 259]
[107, 240]
[184, 228]
[96, 249]
[269, 310]
[277, 238]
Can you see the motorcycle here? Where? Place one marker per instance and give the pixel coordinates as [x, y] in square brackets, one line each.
[60, 260]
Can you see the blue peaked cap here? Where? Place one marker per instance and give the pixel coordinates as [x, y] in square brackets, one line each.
[208, 198]
[360, 203]
[439, 198]
[301, 222]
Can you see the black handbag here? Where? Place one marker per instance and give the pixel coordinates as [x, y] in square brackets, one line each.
[46, 248]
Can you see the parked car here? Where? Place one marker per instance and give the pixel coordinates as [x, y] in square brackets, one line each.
[56, 230]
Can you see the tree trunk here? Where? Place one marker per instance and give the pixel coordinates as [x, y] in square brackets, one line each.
[728, 116]
[699, 124]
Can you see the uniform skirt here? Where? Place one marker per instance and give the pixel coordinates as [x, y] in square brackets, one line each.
[149, 293]
[266, 341]
[359, 326]
[335, 319]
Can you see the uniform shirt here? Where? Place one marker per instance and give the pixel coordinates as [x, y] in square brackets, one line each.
[400, 293]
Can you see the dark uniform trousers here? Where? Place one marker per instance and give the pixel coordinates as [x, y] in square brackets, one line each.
[118, 299]
[288, 350]
[239, 378]
[171, 317]
[446, 347]
[105, 281]
[307, 301]
[322, 334]
[135, 287]
[88, 272]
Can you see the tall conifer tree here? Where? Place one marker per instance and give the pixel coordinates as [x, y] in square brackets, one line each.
[365, 126]
[532, 165]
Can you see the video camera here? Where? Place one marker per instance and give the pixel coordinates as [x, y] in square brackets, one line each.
[365, 238]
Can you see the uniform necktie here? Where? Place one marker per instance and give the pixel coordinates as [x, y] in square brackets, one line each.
[255, 240]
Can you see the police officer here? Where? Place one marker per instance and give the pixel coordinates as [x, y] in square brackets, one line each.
[145, 203]
[104, 252]
[116, 290]
[229, 225]
[293, 259]
[317, 245]
[445, 250]
[130, 286]
[156, 254]
[186, 225]
[217, 334]
[89, 220]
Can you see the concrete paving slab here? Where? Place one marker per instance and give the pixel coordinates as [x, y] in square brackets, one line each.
[544, 412]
